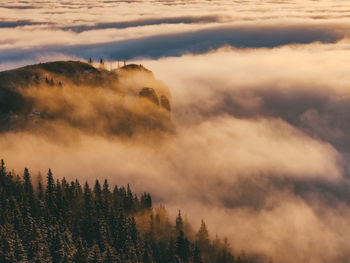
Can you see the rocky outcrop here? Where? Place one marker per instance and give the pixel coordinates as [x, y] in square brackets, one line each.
[165, 103]
[149, 94]
[81, 96]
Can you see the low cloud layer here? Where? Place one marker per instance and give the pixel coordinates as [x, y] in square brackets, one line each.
[262, 160]
[17, 23]
[176, 44]
[145, 22]
[261, 149]
[133, 29]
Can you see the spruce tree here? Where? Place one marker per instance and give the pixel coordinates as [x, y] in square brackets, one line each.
[183, 247]
[202, 237]
[50, 193]
[197, 254]
[179, 222]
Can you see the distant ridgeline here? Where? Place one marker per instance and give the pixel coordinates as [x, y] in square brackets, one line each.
[123, 101]
[64, 222]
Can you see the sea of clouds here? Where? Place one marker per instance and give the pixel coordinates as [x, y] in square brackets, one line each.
[260, 100]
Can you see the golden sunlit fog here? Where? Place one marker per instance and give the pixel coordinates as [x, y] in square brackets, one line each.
[235, 113]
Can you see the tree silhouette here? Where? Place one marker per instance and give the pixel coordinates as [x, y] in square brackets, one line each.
[61, 222]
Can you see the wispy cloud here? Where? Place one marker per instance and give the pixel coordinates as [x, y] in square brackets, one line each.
[177, 44]
[145, 22]
[18, 23]
[260, 96]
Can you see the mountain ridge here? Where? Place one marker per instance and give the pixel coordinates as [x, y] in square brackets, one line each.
[86, 97]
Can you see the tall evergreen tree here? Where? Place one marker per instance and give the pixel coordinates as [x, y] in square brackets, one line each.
[183, 247]
[29, 192]
[50, 193]
[202, 236]
[197, 254]
[179, 222]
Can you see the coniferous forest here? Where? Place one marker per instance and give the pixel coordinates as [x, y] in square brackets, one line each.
[59, 221]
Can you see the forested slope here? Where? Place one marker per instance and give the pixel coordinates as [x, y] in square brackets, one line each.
[60, 221]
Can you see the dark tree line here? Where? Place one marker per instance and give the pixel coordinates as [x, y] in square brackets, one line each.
[63, 222]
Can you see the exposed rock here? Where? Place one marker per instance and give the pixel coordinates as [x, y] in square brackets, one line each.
[165, 103]
[150, 94]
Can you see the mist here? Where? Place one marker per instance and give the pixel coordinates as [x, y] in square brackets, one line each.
[260, 145]
[246, 156]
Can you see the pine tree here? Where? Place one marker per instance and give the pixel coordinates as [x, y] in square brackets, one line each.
[57, 248]
[147, 254]
[146, 201]
[2, 168]
[28, 187]
[179, 222]
[59, 198]
[105, 192]
[202, 237]
[81, 253]
[130, 251]
[183, 247]
[121, 232]
[2, 176]
[88, 220]
[106, 196]
[50, 193]
[197, 254]
[40, 188]
[98, 198]
[109, 256]
[29, 192]
[94, 255]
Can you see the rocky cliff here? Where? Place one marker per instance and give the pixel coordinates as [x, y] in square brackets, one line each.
[123, 101]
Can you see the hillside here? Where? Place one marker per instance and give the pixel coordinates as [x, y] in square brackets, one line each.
[66, 222]
[126, 100]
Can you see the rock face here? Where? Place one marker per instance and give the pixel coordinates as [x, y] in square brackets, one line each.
[83, 97]
[149, 94]
[165, 103]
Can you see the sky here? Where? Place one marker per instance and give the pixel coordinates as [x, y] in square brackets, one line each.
[260, 94]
